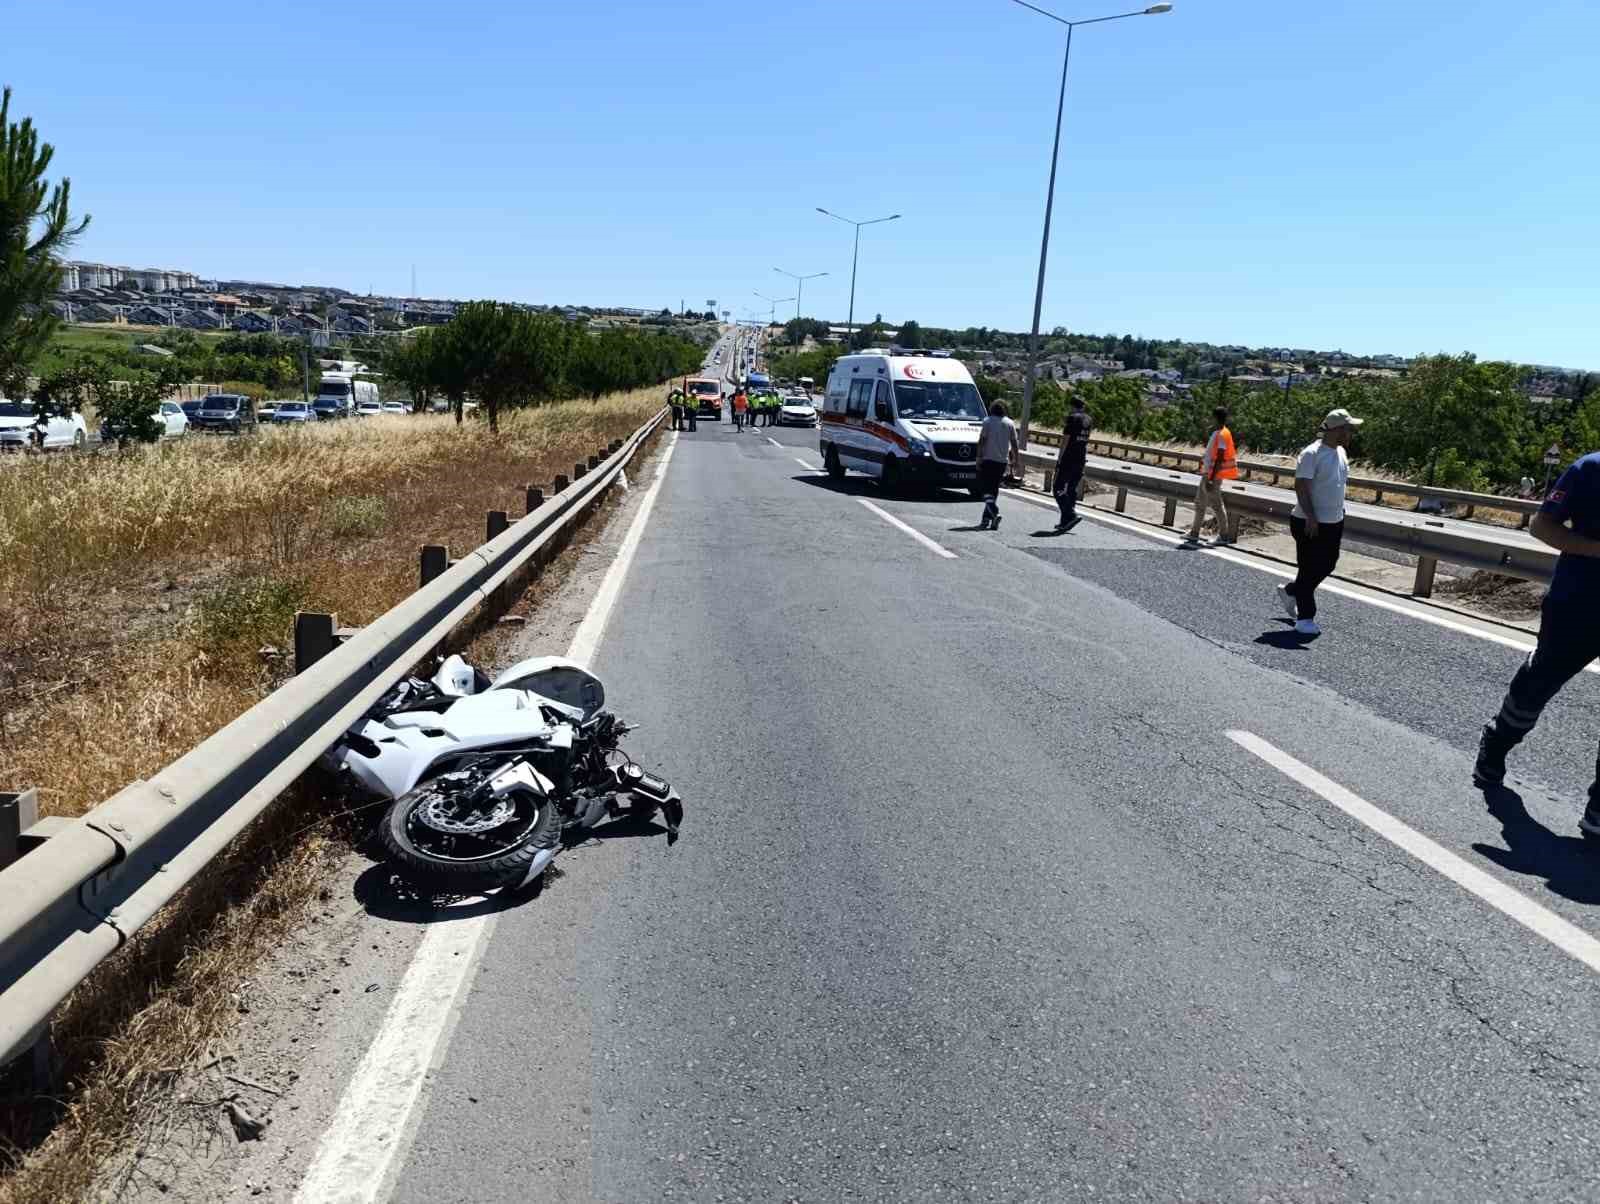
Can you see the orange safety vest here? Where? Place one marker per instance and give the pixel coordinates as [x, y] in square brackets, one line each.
[740, 403]
[1225, 463]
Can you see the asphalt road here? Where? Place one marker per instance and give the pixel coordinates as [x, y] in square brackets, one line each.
[976, 899]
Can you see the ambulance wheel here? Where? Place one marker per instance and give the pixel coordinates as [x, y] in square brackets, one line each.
[830, 461]
[889, 476]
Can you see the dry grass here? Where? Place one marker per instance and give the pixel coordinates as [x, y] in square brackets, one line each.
[136, 595]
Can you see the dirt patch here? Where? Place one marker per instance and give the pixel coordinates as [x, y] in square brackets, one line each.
[1496, 594]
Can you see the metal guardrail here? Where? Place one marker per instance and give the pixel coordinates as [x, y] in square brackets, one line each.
[1430, 539]
[1249, 469]
[86, 885]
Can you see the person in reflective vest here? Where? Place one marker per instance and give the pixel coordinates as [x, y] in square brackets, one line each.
[1220, 463]
[741, 404]
[691, 410]
[675, 400]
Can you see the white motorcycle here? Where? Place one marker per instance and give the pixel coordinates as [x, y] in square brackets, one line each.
[486, 775]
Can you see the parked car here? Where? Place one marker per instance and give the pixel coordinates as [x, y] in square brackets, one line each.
[369, 409]
[293, 412]
[19, 428]
[226, 412]
[396, 407]
[191, 409]
[266, 410]
[169, 417]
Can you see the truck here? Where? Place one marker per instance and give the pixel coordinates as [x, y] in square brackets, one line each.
[340, 394]
[706, 393]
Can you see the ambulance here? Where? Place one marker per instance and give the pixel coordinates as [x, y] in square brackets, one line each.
[904, 417]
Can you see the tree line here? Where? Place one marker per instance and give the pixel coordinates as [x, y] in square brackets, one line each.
[1450, 420]
[505, 356]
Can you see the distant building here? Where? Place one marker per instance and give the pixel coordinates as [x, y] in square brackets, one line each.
[150, 315]
[251, 322]
[200, 319]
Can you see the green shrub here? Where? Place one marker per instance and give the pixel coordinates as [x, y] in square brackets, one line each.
[348, 517]
[242, 615]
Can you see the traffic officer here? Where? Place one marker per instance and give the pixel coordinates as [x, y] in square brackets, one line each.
[675, 400]
[1569, 635]
[691, 410]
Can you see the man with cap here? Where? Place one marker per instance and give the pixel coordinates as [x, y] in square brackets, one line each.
[1569, 635]
[1317, 521]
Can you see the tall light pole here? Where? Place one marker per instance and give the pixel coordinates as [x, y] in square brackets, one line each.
[1050, 193]
[799, 291]
[850, 323]
[774, 302]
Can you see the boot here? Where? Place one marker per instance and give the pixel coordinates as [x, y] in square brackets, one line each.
[1490, 767]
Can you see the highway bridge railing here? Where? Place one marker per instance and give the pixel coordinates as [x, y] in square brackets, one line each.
[1429, 538]
[1249, 469]
[79, 888]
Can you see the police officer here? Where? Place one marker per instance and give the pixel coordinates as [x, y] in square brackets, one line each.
[691, 410]
[675, 400]
[1569, 633]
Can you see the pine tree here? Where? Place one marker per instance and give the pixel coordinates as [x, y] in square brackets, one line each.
[35, 229]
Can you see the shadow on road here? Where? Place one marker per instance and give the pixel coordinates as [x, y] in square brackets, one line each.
[1289, 641]
[388, 894]
[1566, 863]
[868, 488]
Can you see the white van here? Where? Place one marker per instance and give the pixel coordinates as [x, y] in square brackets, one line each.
[903, 418]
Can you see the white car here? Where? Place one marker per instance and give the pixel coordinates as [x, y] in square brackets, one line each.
[19, 428]
[369, 409]
[797, 411]
[395, 407]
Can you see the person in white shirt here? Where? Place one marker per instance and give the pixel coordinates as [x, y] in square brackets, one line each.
[997, 448]
[1320, 477]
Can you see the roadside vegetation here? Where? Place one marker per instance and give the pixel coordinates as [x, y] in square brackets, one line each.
[146, 599]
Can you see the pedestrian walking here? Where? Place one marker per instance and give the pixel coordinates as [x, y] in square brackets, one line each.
[1220, 463]
[1317, 521]
[997, 450]
[1070, 464]
[1569, 635]
[741, 404]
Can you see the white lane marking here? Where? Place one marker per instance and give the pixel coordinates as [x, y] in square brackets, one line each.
[1393, 605]
[362, 1147]
[909, 530]
[773, 441]
[803, 464]
[1565, 936]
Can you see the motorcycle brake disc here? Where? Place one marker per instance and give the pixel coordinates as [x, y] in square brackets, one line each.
[440, 815]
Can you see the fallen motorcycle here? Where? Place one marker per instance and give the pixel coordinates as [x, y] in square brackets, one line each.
[486, 775]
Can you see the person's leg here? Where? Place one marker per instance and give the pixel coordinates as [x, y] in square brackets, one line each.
[1221, 508]
[989, 473]
[1302, 553]
[1568, 641]
[1068, 499]
[1201, 493]
[1316, 566]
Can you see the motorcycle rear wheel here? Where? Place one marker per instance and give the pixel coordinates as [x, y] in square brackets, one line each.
[492, 857]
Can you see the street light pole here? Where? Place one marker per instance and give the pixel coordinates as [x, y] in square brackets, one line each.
[1050, 197]
[799, 291]
[774, 302]
[855, 255]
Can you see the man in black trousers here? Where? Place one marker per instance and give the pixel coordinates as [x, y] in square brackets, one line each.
[1070, 463]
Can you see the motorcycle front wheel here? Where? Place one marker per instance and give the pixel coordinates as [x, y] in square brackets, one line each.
[453, 833]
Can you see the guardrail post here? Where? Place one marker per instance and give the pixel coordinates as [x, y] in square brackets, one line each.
[535, 497]
[594, 461]
[578, 470]
[1470, 509]
[559, 483]
[19, 811]
[1423, 586]
[1083, 487]
[313, 638]
[1049, 480]
[1527, 519]
[1122, 501]
[1170, 514]
[1233, 526]
[495, 523]
[435, 560]
[1377, 495]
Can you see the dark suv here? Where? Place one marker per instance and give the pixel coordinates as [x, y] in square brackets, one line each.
[226, 412]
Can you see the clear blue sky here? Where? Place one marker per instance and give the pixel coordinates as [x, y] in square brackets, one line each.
[1369, 175]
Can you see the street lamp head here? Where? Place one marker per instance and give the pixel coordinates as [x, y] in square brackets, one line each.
[1158, 8]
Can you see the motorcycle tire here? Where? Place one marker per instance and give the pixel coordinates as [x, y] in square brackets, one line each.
[476, 874]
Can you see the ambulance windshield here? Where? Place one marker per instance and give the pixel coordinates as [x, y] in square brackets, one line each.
[927, 399]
